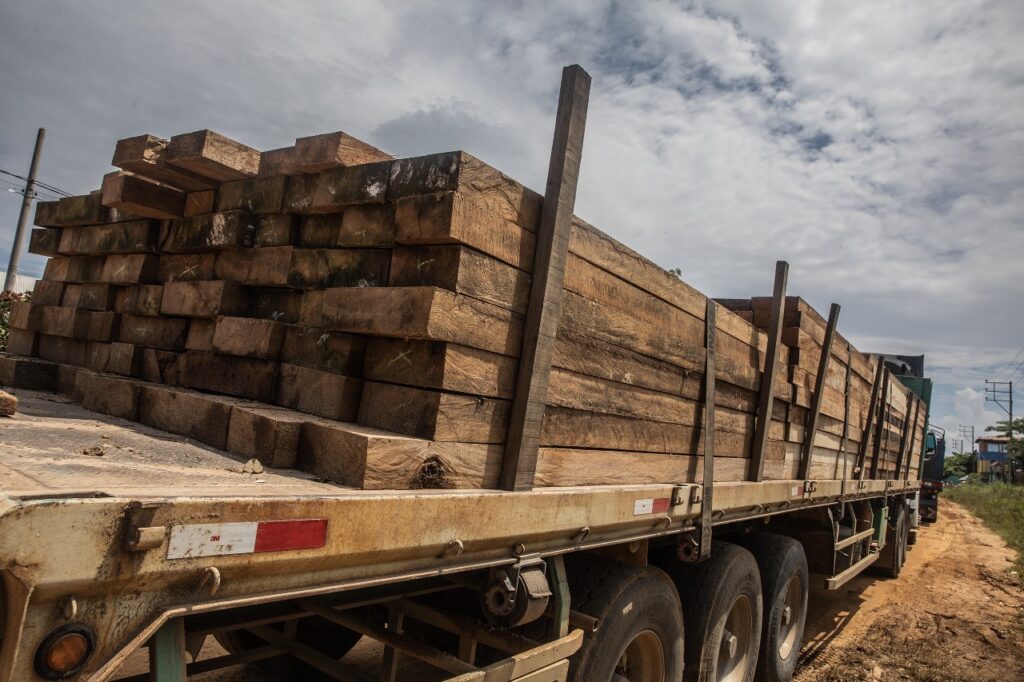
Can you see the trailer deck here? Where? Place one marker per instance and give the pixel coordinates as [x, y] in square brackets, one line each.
[69, 515]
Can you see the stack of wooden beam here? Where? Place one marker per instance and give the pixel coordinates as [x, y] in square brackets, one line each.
[327, 307]
[847, 397]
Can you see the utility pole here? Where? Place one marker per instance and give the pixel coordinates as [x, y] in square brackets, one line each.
[967, 431]
[26, 204]
[1003, 397]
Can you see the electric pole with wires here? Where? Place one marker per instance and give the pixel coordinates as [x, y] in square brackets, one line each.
[1003, 397]
[26, 205]
[967, 431]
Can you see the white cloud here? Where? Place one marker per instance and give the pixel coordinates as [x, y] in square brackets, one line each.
[874, 145]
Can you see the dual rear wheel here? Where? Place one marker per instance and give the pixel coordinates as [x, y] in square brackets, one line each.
[744, 611]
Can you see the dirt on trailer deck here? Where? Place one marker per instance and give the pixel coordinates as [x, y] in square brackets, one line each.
[955, 613]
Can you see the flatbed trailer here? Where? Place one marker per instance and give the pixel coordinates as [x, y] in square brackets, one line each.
[115, 537]
[105, 531]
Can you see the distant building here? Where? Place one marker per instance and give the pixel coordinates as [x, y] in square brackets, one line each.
[992, 455]
[22, 283]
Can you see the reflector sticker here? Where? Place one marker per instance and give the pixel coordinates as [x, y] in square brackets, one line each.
[657, 505]
[223, 539]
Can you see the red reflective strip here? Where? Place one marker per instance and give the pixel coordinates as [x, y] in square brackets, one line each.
[661, 504]
[275, 536]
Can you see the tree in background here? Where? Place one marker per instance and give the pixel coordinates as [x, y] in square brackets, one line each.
[956, 464]
[1015, 448]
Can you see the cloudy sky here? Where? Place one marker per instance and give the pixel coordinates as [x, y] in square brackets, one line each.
[876, 146]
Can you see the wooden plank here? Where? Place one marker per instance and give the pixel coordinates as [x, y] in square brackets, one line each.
[85, 209]
[134, 236]
[134, 194]
[248, 337]
[325, 394]
[196, 416]
[44, 241]
[113, 396]
[203, 299]
[162, 367]
[80, 324]
[133, 268]
[812, 417]
[434, 415]
[462, 271]
[281, 161]
[421, 313]
[28, 373]
[256, 267]
[75, 269]
[200, 335]
[242, 377]
[373, 459]
[186, 267]
[212, 155]
[98, 297]
[883, 417]
[141, 299]
[253, 195]
[367, 225]
[46, 214]
[22, 342]
[197, 203]
[165, 333]
[279, 305]
[438, 365]
[270, 434]
[324, 268]
[210, 232]
[708, 474]
[767, 392]
[325, 351]
[124, 359]
[25, 315]
[332, 150]
[47, 292]
[275, 229]
[146, 155]
[526, 413]
[342, 187]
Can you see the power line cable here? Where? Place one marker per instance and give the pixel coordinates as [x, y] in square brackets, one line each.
[1010, 363]
[37, 182]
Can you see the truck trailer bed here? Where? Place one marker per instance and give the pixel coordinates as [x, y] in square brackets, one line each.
[124, 527]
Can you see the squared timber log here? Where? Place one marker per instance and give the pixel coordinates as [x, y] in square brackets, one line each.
[213, 156]
[324, 394]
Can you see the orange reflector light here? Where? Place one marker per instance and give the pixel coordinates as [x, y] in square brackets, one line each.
[64, 651]
[67, 652]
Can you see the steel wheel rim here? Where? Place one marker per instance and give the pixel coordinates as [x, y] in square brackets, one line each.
[643, 659]
[788, 619]
[733, 652]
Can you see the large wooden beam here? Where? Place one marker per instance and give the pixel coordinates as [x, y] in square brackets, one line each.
[520, 461]
[909, 436]
[811, 430]
[767, 393]
[865, 441]
[881, 429]
[707, 499]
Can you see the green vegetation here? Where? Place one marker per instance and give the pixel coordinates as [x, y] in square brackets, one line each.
[1000, 506]
[6, 298]
[956, 464]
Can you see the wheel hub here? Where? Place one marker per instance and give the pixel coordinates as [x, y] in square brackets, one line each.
[733, 659]
[642, 661]
[792, 603]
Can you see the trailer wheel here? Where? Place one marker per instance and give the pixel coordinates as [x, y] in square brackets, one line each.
[640, 633]
[895, 550]
[324, 636]
[722, 608]
[785, 580]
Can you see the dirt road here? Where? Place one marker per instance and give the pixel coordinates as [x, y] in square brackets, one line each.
[956, 613]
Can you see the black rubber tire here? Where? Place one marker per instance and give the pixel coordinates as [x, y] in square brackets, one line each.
[891, 561]
[708, 590]
[780, 558]
[627, 600]
[324, 636]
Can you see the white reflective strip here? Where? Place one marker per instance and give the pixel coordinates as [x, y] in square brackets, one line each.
[643, 507]
[214, 539]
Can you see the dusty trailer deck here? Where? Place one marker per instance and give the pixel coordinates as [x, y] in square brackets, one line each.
[78, 487]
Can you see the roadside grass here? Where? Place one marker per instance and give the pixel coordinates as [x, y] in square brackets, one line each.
[1000, 506]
